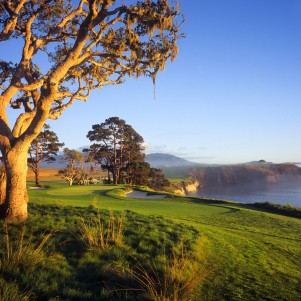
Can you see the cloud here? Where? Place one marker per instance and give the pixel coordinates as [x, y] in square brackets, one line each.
[198, 158]
[202, 148]
[149, 149]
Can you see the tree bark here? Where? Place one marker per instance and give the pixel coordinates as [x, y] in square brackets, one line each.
[109, 177]
[14, 193]
[2, 185]
[37, 175]
[37, 167]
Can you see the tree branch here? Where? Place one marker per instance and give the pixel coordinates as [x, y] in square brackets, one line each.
[56, 112]
[10, 26]
[22, 123]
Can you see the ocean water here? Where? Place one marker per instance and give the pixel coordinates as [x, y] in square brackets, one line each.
[288, 192]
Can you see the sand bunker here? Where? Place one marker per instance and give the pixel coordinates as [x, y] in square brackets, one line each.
[144, 195]
[36, 188]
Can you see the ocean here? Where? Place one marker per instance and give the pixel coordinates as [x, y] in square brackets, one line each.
[279, 193]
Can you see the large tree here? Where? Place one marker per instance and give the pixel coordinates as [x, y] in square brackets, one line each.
[116, 145]
[75, 161]
[67, 48]
[44, 148]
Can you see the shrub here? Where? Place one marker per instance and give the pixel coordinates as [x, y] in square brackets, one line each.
[99, 233]
[286, 209]
[18, 255]
[173, 277]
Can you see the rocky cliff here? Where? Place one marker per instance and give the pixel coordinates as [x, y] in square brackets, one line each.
[245, 173]
[184, 187]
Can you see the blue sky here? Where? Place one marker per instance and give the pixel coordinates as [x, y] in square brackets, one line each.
[231, 96]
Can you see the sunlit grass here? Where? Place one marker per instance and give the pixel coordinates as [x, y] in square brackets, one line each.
[82, 266]
[251, 254]
[99, 233]
[173, 277]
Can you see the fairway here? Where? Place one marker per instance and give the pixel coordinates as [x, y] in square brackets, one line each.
[251, 255]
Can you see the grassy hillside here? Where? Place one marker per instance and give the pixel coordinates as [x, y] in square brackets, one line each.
[47, 174]
[241, 253]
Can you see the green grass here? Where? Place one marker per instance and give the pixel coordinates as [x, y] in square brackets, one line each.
[247, 254]
[71, 269]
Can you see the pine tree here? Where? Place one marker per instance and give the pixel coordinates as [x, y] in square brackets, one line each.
[43, 149]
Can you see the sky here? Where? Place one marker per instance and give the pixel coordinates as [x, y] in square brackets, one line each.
[231, 96]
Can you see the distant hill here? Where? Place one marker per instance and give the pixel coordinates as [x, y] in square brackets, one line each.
[160, 160]
[156, 160]
[57, 164]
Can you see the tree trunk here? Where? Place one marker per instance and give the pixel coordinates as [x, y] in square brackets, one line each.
[2, 185]
[37, 175]
[114, 174]
[109, 178]
[37, 167]
[14, 194]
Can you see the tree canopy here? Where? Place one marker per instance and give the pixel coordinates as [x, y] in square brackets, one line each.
[116, 145]
[66, 49]
[119, 149]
